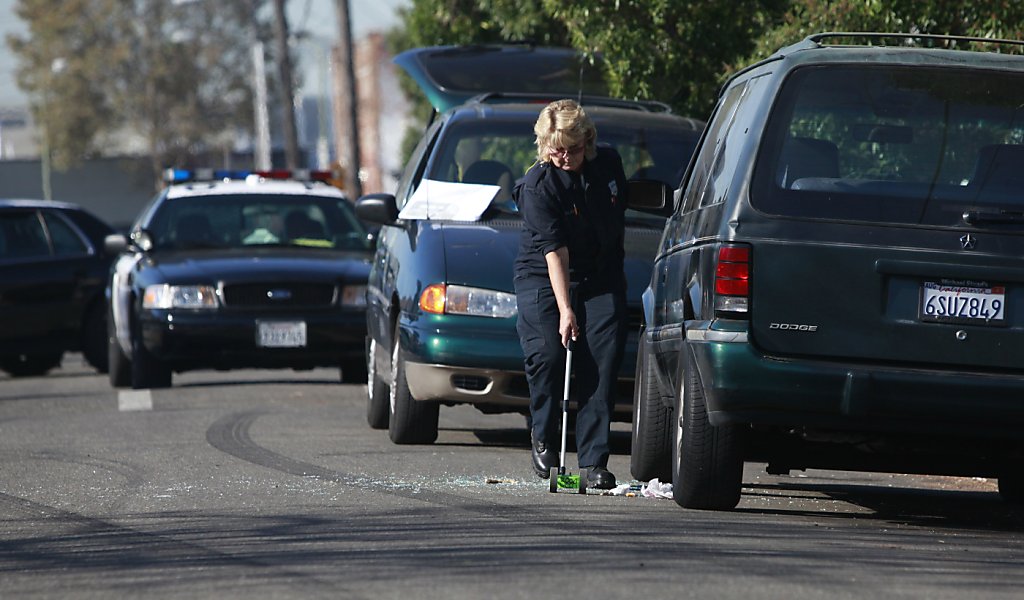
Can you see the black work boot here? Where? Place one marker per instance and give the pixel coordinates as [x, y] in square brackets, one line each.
[600, 478]
[544, 457]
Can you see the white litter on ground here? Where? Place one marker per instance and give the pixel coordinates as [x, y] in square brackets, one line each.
[656, 489]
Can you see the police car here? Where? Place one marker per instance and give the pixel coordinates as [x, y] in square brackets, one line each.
[226, 270]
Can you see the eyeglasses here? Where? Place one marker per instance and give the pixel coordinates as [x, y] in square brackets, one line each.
[566, 151]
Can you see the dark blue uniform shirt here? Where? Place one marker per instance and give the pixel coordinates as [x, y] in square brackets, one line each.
[581, 211]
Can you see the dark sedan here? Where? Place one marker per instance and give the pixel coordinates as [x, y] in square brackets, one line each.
[52, 270]
[226, 273]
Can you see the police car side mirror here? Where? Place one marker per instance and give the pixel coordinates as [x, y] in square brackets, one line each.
[141, 240]
[114, 243]
[380, 209]
[650, 196]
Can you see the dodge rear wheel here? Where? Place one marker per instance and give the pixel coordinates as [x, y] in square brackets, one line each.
[708, 460]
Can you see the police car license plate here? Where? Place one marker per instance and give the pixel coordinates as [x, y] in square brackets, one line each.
[968, 302]
[281, 334]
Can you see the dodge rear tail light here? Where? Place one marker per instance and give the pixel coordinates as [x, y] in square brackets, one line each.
[732, 281]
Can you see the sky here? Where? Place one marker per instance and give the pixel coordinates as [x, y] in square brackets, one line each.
[317, 17]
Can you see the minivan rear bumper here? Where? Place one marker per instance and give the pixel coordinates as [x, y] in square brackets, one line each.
[743, 385]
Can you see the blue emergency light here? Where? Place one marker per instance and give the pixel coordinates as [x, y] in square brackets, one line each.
[172, 176]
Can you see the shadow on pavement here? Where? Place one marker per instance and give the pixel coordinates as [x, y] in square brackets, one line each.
[908, 505]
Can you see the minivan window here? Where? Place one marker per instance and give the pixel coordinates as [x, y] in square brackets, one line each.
[909, 145]
[500, 153]
[697, 191]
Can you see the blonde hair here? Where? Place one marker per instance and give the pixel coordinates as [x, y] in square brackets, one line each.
[563, 124]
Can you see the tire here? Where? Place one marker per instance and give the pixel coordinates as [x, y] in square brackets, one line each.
[707, 463]
[147, 370]
[651, 452]
[378, 394]
[31, 365]
[119, 367]
[94, 338]
[409, 421]
[1011, 488]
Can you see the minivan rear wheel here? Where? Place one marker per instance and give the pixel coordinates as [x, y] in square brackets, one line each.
[707, 461]
[651, 450]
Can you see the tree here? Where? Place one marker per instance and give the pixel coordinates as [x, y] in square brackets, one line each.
[675, 52]
[981, 18]
[171, 74]
[667, 50]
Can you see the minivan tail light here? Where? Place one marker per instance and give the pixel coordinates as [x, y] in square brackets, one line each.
[732, 280]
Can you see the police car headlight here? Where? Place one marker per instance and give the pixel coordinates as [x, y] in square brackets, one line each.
[164, 296]
[353, 296]
[478, 302]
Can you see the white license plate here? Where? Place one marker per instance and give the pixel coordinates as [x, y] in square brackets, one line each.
[280, 334]
[963, 302]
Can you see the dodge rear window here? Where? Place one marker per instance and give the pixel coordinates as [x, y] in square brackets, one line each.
[917, 145]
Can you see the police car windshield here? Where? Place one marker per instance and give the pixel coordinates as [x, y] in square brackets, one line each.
[237, 221]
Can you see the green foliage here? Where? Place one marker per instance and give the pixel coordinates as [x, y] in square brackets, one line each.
[675, 52]
[170, 73]
[667, 50]
[1003, 19]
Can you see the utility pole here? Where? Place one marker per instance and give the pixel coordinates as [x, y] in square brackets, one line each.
[284, 69]
[261, 154]
[348, 124]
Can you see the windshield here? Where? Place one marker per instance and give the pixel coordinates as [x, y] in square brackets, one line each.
[236, 221]
[900, 145]
[501, 153]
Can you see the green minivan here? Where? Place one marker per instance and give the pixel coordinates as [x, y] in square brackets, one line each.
[842, 282]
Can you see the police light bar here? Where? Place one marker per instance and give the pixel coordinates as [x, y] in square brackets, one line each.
[294, 174]
[197, 175]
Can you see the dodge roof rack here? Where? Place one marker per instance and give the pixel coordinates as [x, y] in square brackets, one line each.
[818, 38]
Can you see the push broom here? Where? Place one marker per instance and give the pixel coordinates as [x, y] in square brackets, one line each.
[559, 478]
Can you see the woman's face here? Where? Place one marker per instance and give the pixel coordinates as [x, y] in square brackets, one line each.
[568, 159]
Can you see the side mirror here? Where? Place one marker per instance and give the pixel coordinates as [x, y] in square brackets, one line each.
[380, 209]
[114, 244]
[142, 240]
[650, 196]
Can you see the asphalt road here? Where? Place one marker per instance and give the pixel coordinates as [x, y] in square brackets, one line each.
[269, 484]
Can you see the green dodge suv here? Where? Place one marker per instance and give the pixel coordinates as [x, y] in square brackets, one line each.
[842, 282]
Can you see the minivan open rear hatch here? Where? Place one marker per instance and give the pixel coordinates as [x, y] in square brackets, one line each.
[451, 75]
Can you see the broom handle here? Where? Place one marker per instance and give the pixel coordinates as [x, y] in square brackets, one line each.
[565, 402]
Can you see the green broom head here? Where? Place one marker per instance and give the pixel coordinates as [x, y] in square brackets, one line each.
[570, 482]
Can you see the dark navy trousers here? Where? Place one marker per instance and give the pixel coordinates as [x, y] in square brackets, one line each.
[597, 356]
